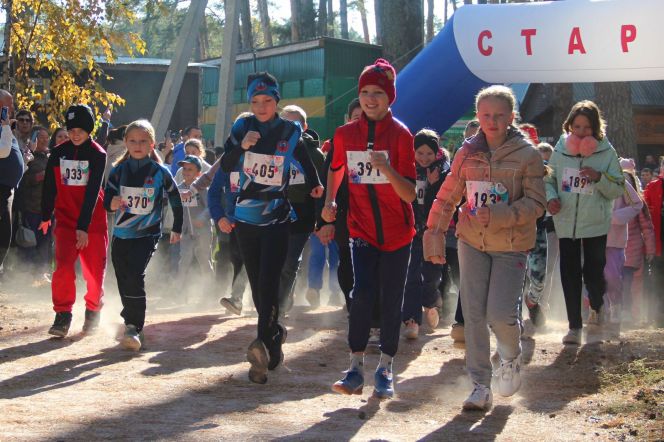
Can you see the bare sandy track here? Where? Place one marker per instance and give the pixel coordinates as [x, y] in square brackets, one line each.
[190, 383]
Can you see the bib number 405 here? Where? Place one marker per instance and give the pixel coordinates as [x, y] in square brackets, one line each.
[263, 170]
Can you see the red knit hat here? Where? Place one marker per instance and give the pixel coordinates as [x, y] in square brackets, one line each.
[380, 74]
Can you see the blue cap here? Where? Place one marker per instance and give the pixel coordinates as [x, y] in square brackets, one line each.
[191, 160]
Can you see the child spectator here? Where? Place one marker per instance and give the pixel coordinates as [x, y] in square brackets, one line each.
[193, 147]
[653, 196]
[72, 186]
[625, 208]
[451, 266]
[134, 192]
[536, 267]
[496, 228]
[196, 234]
[584, 180]
[221, 201]
[640, 250]
[423, 276]
[303, 206]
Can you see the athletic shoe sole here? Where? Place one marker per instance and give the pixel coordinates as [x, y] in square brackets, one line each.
[340, 388]
[474, 407]
[225, 303]
[258, 358]
[58, 333]
[131, 343]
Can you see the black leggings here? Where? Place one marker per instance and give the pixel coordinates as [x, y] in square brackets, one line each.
[573, 274]
[264, 250]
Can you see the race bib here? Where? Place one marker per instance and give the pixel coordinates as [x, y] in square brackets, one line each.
[360, 169]
[296, 177]
[190, 201]
[484, 193]
[235, 182]
[137, 200]
[575, 183]
[264, 169]
[420, 188]
[74, 172]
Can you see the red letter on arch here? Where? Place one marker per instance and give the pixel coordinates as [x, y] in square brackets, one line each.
[575, 43]
[528, 33]
[486, 51]
[627, 35]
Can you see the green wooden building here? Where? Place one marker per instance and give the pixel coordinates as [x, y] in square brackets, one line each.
[318, 75]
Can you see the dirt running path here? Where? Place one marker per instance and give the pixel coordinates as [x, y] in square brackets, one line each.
[190, 383]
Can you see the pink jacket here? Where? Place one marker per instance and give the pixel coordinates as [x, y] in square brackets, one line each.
[641, 237]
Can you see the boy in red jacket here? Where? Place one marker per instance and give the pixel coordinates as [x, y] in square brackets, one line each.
[377, 153]
[72, 187]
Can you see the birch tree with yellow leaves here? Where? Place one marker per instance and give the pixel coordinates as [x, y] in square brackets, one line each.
[56, 47]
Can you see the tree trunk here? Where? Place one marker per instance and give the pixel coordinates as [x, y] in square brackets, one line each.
[322, 17]
[295, 14]
[307, 20]
[467, 2]
[563, 96]
[430, 5]
[362, 7]
[245, 30]
[615, 101]
[405, 20]
[343, 17]
[203, 41]
[330, 18]
[265, 22]
[454, 5]
[445, 12]
[379, 22]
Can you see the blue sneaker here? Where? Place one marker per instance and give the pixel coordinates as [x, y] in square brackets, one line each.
[352, 383]
[383, 388]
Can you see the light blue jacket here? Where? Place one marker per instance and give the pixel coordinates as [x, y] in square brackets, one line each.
[581, 215]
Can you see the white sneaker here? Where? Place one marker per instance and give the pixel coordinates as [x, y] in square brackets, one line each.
[508, 377]
[480, 399]
[595, 317]
[615, 313]
[431, 317]
[573, 337]
[412, 330]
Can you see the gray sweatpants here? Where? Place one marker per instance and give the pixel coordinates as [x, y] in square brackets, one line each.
[491, 285]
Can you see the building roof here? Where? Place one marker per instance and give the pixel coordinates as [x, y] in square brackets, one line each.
[535, 101]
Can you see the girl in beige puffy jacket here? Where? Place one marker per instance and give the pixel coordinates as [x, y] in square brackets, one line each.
[501, 175]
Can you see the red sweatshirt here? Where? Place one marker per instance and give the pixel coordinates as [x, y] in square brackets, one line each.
[381, 218]
[72, 186]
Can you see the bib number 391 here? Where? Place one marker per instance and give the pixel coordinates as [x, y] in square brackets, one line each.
[74, 172]
[573, 182]
[137, 200]
[264, 169]
[360, 169]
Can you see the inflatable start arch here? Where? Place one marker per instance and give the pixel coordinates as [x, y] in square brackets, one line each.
[553, 42]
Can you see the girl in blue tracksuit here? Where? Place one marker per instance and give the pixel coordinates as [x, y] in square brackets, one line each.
[262, 147]
[134, 192]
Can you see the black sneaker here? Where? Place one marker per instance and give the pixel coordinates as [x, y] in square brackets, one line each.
[258, 358]
[275, 351]
[536, 315]
[231, 305]
[60, 326]
[91, 323]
